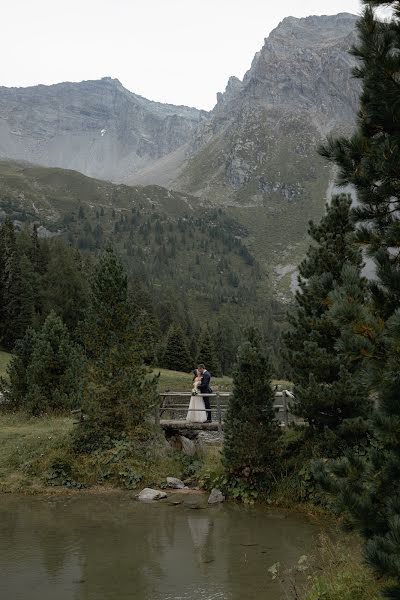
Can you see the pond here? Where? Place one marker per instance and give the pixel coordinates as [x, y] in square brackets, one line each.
[110, 547]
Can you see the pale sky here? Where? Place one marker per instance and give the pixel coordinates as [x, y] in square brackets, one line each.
[177, 51]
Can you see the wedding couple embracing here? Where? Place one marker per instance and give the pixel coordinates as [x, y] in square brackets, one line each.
[199, 406]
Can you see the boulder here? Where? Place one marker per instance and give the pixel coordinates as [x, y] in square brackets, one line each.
[149, 494]
[176, 484]
[216, 497]
[188, 446]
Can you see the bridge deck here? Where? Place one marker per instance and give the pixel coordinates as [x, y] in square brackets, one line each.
[170, 424]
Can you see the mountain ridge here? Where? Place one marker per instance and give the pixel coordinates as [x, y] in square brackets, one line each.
[96, 127]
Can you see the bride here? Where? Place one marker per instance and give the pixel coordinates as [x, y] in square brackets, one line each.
[197, 410]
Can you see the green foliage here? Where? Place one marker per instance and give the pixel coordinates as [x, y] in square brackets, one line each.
[16, 302]
[251, 431]
[194, 268]
[341, 574]
[45, 371]
[176, 353]
[369, 160]
[328, 389]
[207, 353]
[366, 487]
[117, 396]
[64, 284]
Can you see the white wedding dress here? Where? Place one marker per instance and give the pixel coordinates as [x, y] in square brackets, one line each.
[197, 410]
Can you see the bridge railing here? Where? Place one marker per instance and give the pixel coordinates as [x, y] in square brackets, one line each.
[178, 403]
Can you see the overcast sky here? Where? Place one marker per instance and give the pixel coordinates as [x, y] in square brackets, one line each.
[178, 51]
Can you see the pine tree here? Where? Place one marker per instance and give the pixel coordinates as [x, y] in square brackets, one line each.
[45, 372]
[65, 285]
[367, 488]
[54, 374]
[117, 394]
[250, 430]
[16, 387]
[369, 160]
[16, 302]
[328, 389]
[176, 353]
[208, 354]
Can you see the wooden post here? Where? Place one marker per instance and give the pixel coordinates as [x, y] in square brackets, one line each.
[219, 414]
[285, 408]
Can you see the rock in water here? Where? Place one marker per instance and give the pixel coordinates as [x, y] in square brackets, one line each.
[149, 494]
[176, 484]
[216, 497]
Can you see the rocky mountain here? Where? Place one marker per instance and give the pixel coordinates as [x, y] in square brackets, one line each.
[299, 88]
[257, 152]
[96, 127]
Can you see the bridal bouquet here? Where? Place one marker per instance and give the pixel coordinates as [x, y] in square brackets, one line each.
[195, 391]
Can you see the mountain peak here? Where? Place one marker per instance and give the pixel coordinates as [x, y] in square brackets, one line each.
[314, 29]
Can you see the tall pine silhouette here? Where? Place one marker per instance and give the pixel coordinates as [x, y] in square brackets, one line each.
[327, 389]
[367, 488]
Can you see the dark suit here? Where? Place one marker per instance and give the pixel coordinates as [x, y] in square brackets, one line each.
[205, 388]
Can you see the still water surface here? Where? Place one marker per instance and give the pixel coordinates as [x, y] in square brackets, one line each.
[109, 547]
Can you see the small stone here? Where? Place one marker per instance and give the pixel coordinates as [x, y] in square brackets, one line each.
[176, 484]
[148, 494]
[216, 497]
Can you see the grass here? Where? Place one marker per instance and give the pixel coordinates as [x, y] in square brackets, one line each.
[24, 443]
[177, 381]
[37, 457]
[5, 358]
[344, 577]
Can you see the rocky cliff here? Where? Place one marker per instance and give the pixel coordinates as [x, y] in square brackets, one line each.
[262, 135]
[96, 127]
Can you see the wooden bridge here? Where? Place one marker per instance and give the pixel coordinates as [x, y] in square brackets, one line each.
[170, 413]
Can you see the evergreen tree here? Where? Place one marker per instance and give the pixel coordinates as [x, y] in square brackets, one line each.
[117, 395]
[65, 285]
[45, 371]
[367, 488]
[176, 353]
[369, 160]
[16, 300]
[147, 335]
[54, 374]
[250, 430]
[16, 388]
[328, 389]
[208, 354]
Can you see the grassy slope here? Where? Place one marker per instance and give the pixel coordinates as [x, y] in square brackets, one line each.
[282, 152]
[182, 382]
[23, 442]
[184, 256]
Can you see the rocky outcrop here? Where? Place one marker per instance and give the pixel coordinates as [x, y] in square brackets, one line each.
[216, 497]
[175, 483]
[262, 135]
[96, 127]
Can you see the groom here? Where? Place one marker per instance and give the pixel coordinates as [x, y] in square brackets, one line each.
[204, 388]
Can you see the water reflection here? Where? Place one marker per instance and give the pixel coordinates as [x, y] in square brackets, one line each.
[112, 548]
